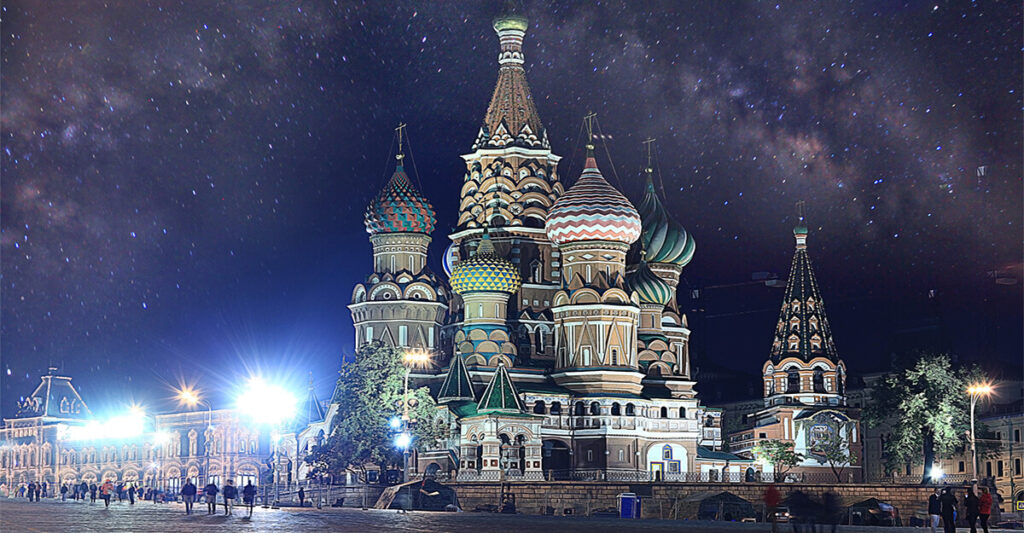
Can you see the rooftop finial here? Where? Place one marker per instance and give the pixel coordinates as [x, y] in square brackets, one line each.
[400, 129]
[588, 120]
[800, 231]
[649, 145]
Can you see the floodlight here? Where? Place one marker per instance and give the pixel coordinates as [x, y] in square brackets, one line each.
[267, 402]
[403, 440]
[395, 422]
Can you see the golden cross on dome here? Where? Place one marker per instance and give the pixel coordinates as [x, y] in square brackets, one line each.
[649, 145]
[399, 130]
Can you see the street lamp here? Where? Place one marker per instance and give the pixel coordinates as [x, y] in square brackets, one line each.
[976, 391]
[190, 397]
[272, 405]
[414, 358]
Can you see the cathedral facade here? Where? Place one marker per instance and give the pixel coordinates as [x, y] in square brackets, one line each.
[560, 346]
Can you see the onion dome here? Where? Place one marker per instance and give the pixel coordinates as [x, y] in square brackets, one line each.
[663, 238]
[592, 210]
[399, 208]
[485, 271]
[649, 287]
[448, 260]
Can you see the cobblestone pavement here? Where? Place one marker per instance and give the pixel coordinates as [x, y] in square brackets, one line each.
[54, 516]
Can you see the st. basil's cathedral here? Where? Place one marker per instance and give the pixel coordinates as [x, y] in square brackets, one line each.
[560, 343]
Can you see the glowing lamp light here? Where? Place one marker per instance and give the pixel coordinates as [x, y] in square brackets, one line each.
[403, 440]
[936, 473]
[980, 389]
[416, 357]
[161, 437]
[127, 426]
[395, 422]
[266, 402]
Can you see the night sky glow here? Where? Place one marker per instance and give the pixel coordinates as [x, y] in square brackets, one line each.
[184, 182]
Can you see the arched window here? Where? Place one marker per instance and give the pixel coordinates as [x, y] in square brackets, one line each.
[536, 271]
[579, 409]
[615, 357]
[616, 409]
[664, 412]
[682, 412]
[819, 380]
[595, 408]
[666, 452]
[538, 407]
[792, 381]
[630, 409]
[556, 408]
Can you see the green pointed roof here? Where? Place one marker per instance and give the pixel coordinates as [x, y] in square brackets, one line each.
[500, 396]
[457, 384]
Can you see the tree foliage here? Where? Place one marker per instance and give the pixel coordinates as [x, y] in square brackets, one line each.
[779, 454]
[926, 408]
[369, 393]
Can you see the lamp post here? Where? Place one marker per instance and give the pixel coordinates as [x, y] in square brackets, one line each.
[191, 398]
[412, 359]
[976, 391]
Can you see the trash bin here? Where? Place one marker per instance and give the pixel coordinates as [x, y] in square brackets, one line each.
[629, 505]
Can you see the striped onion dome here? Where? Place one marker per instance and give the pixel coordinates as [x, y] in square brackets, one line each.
[399, 208]
[485, 271]
[592, 210]
[664, 239]
[448, 260]
[649, 287]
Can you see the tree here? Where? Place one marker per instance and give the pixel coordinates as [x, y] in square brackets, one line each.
[834, 448]
[779, 454]
[369, 394]
[927, 408]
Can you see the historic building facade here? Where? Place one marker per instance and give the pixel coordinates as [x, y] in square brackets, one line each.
[558, 336]
[804, 381]
[50, 440]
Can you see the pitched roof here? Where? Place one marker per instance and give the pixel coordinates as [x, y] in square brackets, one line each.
[803, 329]
[310, 411]
[55, 397]
[500, 396]
[457, 383]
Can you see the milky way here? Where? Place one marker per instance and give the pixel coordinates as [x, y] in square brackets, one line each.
[183, 183]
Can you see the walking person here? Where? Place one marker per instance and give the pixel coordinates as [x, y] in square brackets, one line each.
[971, 507]
[106, 491]
[92, 492]
[39, 490]
[188, 495]
[771, 504]
[249, 495]
[64, 492]
[46, 487]
[984, 508]
[934, 510]
[211, 490]
[131, 494]
[230, 493]
[31, 490]
[302, 497]
[947, 500]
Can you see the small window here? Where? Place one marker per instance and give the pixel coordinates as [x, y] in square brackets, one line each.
[666, 452]
[579, 409]
[682, 412]
[595, 408]
[615, 357]
[1016, 435]
[762, 435]
[664, 412]
[369, 333]
[590, 456]
[403, 335]
[988, 469]
[622, 455]
[1016, 467]
[616, 409]
[630, 410]
[960, 466]
[556, 408]
[999, 469]
[538, 407]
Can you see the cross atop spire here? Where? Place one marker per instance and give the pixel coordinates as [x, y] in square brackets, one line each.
[588, 121]
[399, 131]
[649, 146]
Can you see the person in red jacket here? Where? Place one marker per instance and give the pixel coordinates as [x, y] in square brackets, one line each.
[771, 502]
[984, 508]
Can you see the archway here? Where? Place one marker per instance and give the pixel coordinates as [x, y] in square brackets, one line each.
[555, 455]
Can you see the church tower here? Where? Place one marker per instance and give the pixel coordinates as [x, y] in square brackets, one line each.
[804, 367]
[511, 182]
[595, 312]
[402, 303]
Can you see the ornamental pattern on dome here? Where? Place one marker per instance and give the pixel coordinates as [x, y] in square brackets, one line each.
[485, 271]
[664, 239]
[593, 210]
[399, 208]
[649, 287]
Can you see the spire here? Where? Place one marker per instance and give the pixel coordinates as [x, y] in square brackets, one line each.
[664, 239]
[803, 330]
[511, 118]
[401, 154]
[589, 121]
[500, 396]
[457, 383]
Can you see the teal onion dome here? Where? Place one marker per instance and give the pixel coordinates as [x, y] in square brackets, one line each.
[486, 271]
[649, 287]
[664, 239]
[399, 208]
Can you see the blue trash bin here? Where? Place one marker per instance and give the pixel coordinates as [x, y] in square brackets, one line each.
[629, 505]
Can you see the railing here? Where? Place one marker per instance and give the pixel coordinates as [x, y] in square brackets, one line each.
[621, 422]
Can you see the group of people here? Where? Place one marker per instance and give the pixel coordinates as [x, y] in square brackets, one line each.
[229, 494]
[122, 491]
[942, 507]
[804, 510]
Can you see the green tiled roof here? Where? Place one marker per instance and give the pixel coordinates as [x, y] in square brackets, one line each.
[457, 383]
[500, 395]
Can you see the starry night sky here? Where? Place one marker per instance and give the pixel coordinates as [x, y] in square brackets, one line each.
[184, 183]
